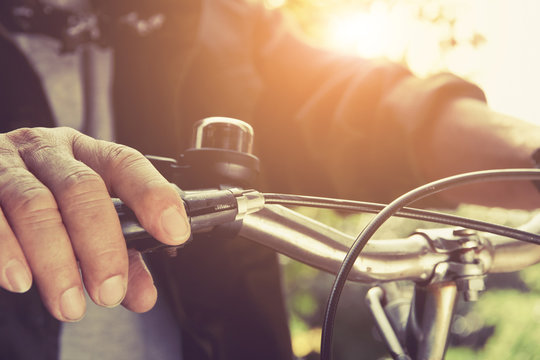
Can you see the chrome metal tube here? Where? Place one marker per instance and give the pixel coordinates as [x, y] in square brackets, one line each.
[430, 319]
[511, 255]
[323, 247]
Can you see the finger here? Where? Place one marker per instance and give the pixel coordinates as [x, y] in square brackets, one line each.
[33, 214]
[132, 178]
[90, 219]
[142, 294]
[16, 276]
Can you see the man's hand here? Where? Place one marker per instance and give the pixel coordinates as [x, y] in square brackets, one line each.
[57, 216]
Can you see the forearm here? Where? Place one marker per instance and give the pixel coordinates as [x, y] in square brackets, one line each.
[468, 136]
[375, 131]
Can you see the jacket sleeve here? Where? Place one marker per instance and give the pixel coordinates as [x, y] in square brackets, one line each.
[23, 102]
[341, 125]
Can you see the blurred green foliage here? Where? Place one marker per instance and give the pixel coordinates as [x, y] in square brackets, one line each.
[503, 324]
[515, 316]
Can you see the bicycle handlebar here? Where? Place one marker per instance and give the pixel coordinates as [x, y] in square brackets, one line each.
[205, 209]
[413, 258]
[323, 247]
[318, 245]
[507, 251]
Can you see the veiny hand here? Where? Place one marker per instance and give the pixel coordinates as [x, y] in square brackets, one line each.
[57, 216]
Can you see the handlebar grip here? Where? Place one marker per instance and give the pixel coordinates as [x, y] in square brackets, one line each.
[205, 210]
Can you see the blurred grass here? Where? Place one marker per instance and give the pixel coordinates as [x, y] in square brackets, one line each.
[515, 316]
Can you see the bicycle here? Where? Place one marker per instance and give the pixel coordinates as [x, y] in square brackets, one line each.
[441, 263]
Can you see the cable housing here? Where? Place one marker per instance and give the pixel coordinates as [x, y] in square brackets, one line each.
[406, 212]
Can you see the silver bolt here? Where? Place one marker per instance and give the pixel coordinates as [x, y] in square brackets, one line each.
[471, 296]
[463, 232]
[471, 287]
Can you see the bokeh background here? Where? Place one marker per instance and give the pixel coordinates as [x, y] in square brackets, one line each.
[489, 42]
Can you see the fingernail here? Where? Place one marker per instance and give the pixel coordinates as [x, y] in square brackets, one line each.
[72, 304]
[112, 291]
[175, 224]
[18, 276]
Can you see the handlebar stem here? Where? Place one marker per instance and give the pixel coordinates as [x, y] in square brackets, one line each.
[470, 259]
[429, 320]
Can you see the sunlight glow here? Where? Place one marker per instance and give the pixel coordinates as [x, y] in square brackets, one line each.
[428, 37]
[365, 33]
[274, 4]
[484, 41]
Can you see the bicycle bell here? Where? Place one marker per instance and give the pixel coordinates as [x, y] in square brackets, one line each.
[220, 155]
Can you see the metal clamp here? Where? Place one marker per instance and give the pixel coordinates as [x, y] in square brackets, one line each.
[448, 240]
[469, 259]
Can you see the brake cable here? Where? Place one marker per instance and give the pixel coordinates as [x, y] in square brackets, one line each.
[390, 210]
[405, 212]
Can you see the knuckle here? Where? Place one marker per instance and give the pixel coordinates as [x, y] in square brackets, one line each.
[6, 150]
[10, 163]
[82, 179]
[89, 202]
[83, 189]
[9, 170]
[66, 131]
[121, 157]
[58, 270]
[36, 207]
[34, 198]
[79, 141]
[111, 257]
[24, 135]
[32, 141]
